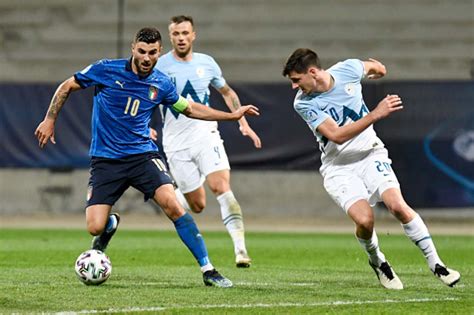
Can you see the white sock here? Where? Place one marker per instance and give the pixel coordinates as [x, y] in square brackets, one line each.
[371, 247]
[207, 267]
[232, 218]
[417, 231]
[182, 200]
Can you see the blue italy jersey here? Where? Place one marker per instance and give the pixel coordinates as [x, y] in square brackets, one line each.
[344, 104]
[123, 105]
[192, 79]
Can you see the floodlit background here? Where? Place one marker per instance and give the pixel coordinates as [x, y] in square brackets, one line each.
[427, 46]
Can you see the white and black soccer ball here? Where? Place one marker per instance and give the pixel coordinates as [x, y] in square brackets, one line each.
[93, 267]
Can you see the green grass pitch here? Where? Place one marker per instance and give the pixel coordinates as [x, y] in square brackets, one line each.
[292, 273]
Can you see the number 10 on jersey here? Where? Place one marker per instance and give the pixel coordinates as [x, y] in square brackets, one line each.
[134, 104]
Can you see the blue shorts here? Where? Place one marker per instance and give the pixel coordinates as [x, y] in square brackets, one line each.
[109, 178]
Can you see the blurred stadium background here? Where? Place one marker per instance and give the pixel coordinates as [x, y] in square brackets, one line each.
[427, 46]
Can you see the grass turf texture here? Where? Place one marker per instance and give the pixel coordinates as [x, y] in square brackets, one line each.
[293, 273]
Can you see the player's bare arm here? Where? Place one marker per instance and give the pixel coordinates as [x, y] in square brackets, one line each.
[45, 130]
[233, 102]
[203, 112]
[340, 134]
[374, 69]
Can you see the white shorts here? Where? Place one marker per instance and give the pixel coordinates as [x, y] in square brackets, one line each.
[190, 167]
[366, 179]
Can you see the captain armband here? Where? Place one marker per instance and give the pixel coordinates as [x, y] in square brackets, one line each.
[180, 105]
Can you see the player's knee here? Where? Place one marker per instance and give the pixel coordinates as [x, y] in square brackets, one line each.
[174, 212]
[94, 227]
[198, 206]
[366, 223]
[219, 188]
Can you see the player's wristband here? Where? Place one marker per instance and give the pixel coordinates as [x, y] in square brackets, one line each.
[180, 105]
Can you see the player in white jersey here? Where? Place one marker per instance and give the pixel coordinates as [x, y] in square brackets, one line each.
[195, 150]
[355, 166]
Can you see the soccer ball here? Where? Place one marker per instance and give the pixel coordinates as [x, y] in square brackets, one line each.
[93, 267]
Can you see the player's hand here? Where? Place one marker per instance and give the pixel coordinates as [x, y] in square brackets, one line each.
[247, 110]
[45, 132]
[153, 134]
[390, 104]
[248, 132]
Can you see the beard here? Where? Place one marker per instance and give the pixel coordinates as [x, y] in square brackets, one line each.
[182, 53]
[139, 67]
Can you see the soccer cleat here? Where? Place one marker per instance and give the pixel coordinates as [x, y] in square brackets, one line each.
[214, 278]
[101, 241]
[448, 276]
[242, 260]
[387, 276]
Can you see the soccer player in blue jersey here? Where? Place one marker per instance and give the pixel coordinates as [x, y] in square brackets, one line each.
[356, 169]
[127, 92]
[194, 148]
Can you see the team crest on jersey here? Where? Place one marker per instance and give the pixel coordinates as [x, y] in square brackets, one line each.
[311, 115]
[349, 88]
[153, 93]
[200, 72]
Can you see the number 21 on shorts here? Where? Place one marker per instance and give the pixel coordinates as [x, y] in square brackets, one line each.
[383, 167]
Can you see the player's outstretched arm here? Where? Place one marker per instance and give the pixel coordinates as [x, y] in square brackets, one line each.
[203, 112]
[340, 134]
[233, 102]
[374, 69]
[45, 130]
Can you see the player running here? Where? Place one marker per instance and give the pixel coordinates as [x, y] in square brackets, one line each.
[127, 91]
[356, 169]
[194, 149]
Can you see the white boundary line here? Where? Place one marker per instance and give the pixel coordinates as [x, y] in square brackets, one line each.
[255, 305]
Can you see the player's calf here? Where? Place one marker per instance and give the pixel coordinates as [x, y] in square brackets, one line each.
[101, 241]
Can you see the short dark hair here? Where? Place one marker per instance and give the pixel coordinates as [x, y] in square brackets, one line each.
[148, 35]
[182, 18]
[300, 61]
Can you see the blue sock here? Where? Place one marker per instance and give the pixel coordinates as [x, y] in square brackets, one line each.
[110, 223]
[189, 234]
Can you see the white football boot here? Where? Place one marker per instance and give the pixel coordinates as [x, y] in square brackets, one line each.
[448, 276]
[387, 276]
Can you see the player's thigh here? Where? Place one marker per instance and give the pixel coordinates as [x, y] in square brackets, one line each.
[149, 173]
[185, 171]
[345, 187]
[378, 174]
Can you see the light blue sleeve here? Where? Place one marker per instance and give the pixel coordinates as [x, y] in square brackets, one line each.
[217, 80]
[350, 68]
[310, 114]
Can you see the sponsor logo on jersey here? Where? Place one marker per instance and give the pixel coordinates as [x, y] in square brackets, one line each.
[153, 93]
